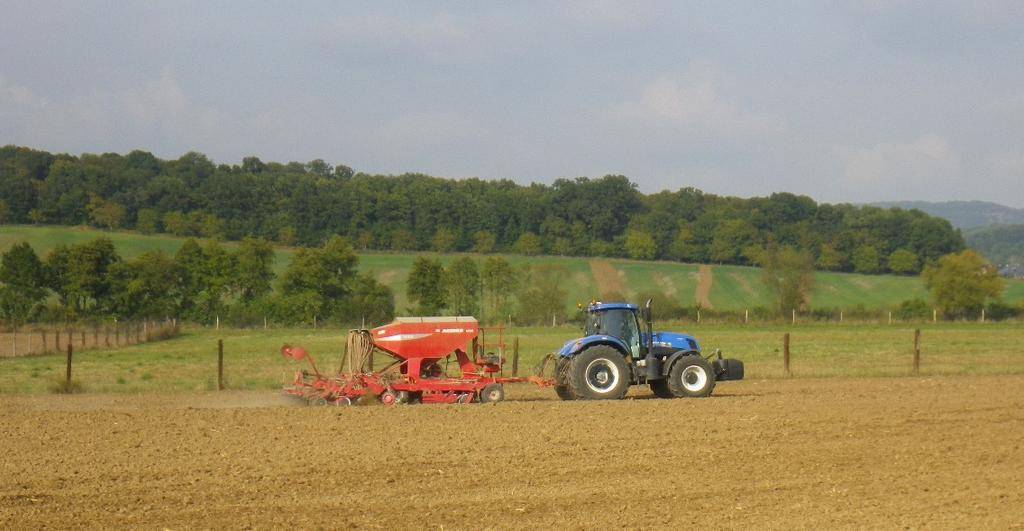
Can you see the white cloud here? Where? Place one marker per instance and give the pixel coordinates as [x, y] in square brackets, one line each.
[885, 167]
[693, 103]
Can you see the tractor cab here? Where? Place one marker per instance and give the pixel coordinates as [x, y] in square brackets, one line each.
[617, 320]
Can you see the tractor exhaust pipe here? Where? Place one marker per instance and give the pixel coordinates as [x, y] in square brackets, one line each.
[652, 362]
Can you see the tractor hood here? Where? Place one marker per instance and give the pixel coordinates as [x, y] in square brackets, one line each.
[674, 342]
[573, 346]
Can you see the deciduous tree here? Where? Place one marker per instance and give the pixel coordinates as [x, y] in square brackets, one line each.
[426, 286]
[788, 274]
[961, 283]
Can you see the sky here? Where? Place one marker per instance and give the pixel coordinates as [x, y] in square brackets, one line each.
[854, 101]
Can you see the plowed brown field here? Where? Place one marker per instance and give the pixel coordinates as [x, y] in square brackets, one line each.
[895, 452]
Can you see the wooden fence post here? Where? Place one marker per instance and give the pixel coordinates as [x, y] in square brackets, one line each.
[220, 364]
[106, 333]
[117, 333]
[95, 336]
[45, 346]
[515, 356]
[56, 340]
[785, 355]
[14, 339]
[67, 380]
[81, 337]
[917, 351]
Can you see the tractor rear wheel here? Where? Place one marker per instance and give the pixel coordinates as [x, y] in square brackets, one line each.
[691, 376]
[492, 393]
[599, 373]
[660, 389]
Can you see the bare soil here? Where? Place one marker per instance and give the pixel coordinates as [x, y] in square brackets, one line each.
[867, 453]
[608, 279]
[705, 278]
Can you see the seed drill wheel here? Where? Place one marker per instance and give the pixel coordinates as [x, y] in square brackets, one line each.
[691, 376]
[394, 398]
[492, 393]
[599, 373]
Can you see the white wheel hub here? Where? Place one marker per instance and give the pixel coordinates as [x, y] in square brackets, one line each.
[601, 376]
[694, 378]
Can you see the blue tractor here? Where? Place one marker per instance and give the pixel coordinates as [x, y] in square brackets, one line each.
[616, 353]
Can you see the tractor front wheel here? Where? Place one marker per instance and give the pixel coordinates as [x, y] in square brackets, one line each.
[691, 376]
[599, 373]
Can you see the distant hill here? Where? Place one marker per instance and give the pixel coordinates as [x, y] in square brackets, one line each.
[1002, 244]
[964, 214]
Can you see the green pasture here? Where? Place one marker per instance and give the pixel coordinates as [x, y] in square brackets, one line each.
[252, 359]
[733, 288]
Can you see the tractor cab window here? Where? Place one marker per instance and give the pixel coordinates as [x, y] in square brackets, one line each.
[619, 323]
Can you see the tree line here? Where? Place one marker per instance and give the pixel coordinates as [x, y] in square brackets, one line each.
[202, 283]
[208, 282]
[307, 203]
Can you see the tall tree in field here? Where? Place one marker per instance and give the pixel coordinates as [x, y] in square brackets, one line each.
[426, 286]
[499, 282]
[253, 269]
[318, 282]
[542, 298]
[80, 275]
[143, 287]
[788, 273]
[370, 303]
[22, 282]
[189, 265]
[961, 283]
[462, 282]
[215, 275]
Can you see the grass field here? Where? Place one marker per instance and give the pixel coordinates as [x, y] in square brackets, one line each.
[188, 363]
[733, 288]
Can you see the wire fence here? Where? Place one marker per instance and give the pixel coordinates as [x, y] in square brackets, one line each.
[38, 340]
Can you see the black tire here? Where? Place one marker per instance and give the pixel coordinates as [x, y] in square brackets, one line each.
[691, 376]
[660, 389]
[564, 392]
[599, 373]
[492, 393]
